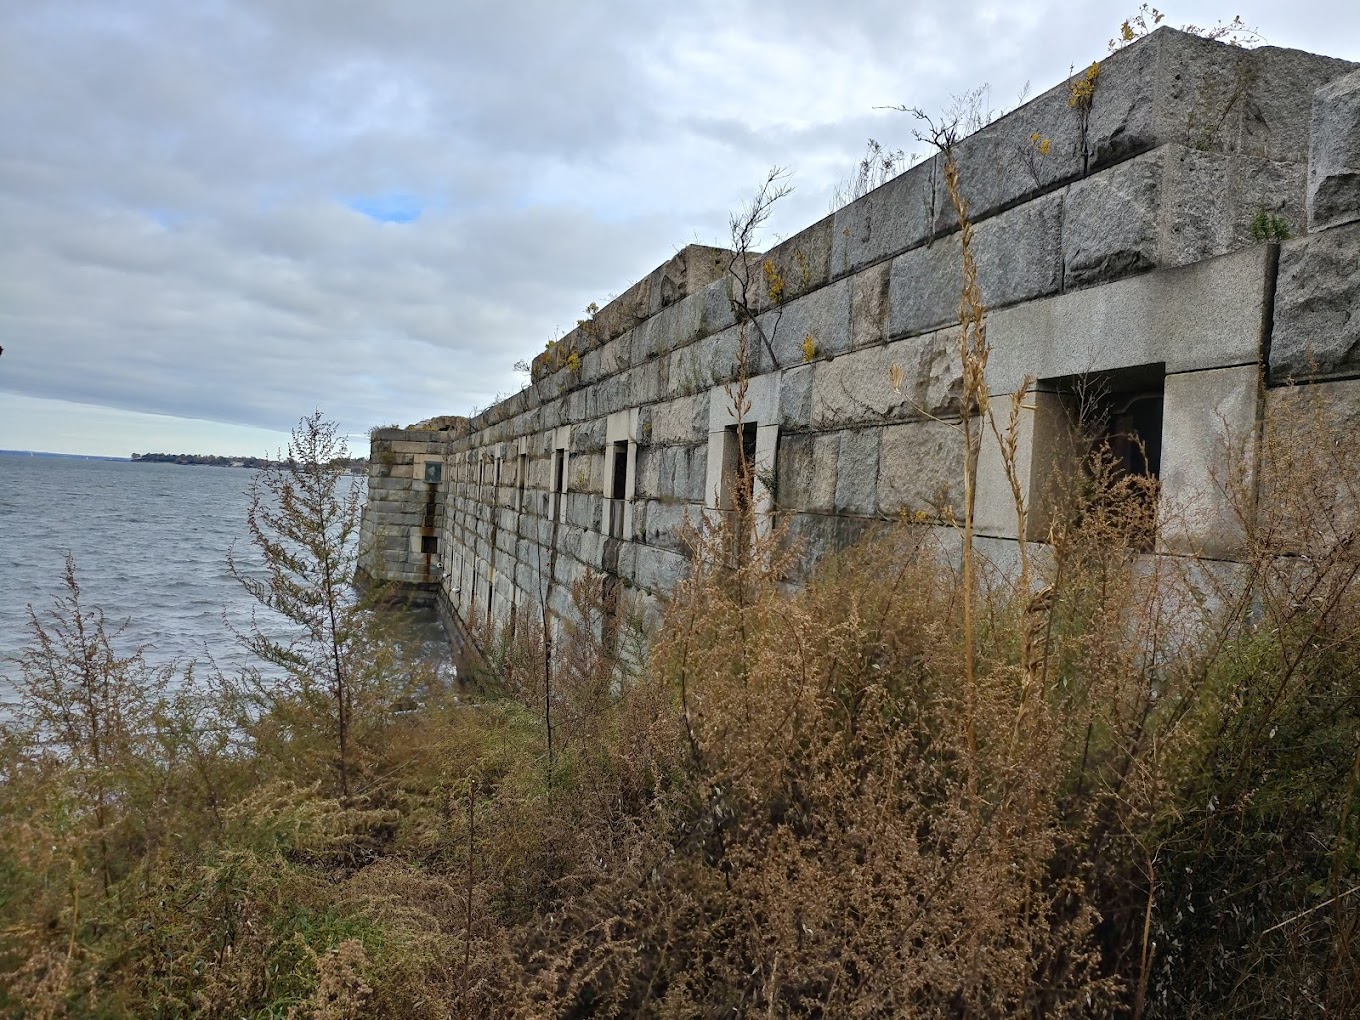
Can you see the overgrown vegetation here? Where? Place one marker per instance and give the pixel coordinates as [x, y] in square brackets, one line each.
[781, 813]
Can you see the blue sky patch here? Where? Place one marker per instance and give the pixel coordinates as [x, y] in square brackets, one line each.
[388, 208]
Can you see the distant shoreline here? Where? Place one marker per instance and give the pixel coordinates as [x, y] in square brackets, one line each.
[204, 460]
[211, 460]
[60, 456]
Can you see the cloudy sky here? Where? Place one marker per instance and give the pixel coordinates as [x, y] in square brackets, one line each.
[216, 215]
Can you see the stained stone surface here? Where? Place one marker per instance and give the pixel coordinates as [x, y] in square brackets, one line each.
[1334, 154]
[806, 471]
[869, 305]
[1110, 222]
[857, 471]
[1209, 470]
[920, 468]
[1019, 257]
[822, 317]
[1317, 307]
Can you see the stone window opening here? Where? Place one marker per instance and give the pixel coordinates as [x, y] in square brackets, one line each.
[521, 477]
[618, 487]
[743, 444]
[1108, 461]
[559, 483]
[739, 467]
[1133, 433]
[620, 474]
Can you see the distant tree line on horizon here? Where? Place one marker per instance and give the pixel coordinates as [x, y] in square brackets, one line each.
[213, 460]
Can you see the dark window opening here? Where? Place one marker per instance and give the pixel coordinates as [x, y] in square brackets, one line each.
[1119, 414]
[521, 477]
[1115, 429]
[617, 488]
[620, 469]
[559, 483]
[1133, 433]
[740, 464]
[429, 544]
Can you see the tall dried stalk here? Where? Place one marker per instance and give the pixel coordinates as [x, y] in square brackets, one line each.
[973, 355]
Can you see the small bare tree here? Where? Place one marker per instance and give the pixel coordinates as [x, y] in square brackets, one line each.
[304, 521]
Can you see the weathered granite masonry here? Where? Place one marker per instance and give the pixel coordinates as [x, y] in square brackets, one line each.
[404, 514]
[1143, 249]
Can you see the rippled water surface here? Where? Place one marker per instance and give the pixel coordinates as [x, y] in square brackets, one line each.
[150, 543]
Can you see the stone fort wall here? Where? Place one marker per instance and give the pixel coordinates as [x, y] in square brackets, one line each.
[1144, 249]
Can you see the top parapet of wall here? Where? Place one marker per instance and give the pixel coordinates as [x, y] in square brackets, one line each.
[1168, 87]
[692, 269]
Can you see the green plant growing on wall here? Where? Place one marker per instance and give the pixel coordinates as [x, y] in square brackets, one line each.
[1081, 88]
[774, 281]
[590, 325]
[564, 352]
[546, 363]
[1081, 96]
[766, 476]
[1266, 226]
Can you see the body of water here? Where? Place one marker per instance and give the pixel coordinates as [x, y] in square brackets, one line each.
[150, 543]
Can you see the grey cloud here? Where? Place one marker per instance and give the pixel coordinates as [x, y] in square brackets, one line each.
[176, 179]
